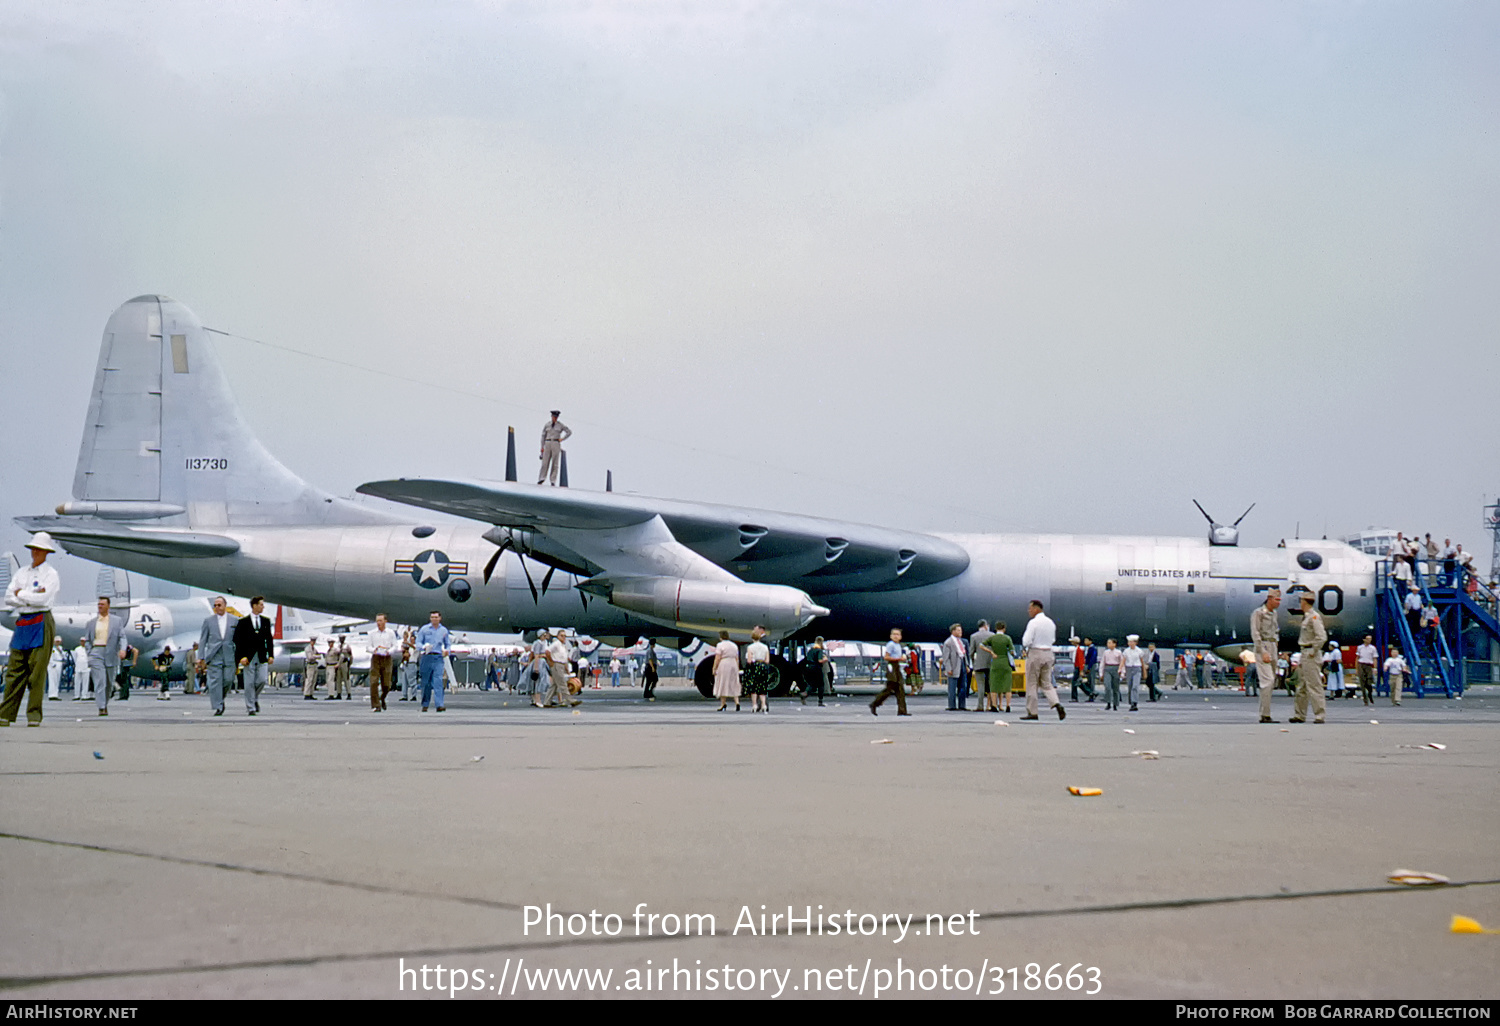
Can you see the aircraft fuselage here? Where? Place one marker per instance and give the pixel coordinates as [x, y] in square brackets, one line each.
[1166, 589]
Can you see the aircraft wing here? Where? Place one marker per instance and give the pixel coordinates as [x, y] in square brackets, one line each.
[818, 555]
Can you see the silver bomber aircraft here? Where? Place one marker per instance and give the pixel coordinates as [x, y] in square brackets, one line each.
[171, 483]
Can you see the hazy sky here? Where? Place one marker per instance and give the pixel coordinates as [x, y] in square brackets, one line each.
[1004, 266]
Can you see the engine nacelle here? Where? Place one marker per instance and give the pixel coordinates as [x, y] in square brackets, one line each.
[707, 607]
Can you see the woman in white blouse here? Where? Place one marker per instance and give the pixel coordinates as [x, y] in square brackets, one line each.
[760, 676]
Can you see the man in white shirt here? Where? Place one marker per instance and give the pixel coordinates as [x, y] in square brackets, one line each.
[1037, 642]
[894, 657]
[556, 656]
[55, 669]
[80, 670]
[31, 594]
[383, 645]
[1412, 605]
[1395, 671]
[1365, 658]
[1135, 663]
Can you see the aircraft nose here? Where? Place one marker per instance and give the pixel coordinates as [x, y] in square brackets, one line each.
[814, 610]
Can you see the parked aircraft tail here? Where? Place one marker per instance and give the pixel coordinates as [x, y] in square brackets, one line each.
[164, 439]
[113, 584]
[8, 566]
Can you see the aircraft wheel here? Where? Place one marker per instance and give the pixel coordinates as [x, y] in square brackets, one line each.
[703, 677]
[788, 675]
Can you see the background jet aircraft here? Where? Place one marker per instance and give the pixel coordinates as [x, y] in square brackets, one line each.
[171, 482]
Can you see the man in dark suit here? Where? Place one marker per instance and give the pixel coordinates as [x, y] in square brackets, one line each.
[253, 649]
[216, 652]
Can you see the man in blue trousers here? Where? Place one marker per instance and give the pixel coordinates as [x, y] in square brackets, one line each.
[434, 643]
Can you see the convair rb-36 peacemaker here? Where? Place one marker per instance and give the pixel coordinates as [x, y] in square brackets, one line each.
[170, 482]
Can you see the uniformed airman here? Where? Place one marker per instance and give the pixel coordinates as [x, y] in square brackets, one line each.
[1265, 633]
[1310, 640]
[554, 433]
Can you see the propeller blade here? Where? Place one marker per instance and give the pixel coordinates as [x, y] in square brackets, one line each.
[489, 568]
[547, 578]
[529, 583]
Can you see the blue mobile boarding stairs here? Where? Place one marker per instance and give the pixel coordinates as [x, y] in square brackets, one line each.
[1437, 659]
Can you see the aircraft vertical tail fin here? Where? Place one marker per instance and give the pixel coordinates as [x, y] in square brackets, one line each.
[8, 566]
[113, 584]
[164, 438]
[290, 623]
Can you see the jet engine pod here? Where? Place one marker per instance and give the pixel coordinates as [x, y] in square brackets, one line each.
[707, 607]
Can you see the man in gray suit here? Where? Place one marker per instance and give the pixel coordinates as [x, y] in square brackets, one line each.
[216, 652]
[104, 638]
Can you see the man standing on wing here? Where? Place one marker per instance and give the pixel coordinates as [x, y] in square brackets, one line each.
[554, 433]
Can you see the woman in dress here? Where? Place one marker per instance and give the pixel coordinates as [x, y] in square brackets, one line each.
[1333, 666]
[1001, 668]
[760, 676]
[727, 672]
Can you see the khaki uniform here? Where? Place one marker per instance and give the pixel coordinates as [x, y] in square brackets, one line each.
[1311, 640]
[1265, 632]
[554, 433]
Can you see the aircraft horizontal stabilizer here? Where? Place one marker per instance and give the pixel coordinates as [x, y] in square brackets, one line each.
[77, 537]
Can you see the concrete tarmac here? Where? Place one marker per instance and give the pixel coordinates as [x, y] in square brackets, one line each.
[319, 848]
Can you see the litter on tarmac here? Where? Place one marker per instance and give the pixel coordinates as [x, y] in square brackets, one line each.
[883, 741]
[98, 755]
[1129, 731]
[1416, 878]
[1463, 924]
[1002, 723]
[1148, 754]
[1086, 792]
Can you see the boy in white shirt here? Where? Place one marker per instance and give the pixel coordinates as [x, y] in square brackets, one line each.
[1395, 671]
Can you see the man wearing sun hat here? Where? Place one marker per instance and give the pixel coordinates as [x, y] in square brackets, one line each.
[30, 595]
